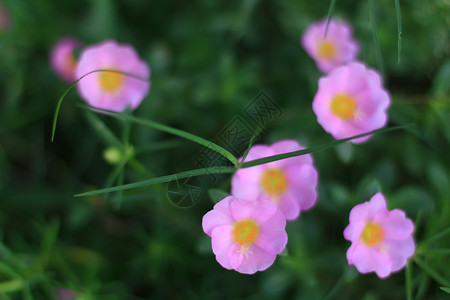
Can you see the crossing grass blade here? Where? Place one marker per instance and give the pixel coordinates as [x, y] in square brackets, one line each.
[183, 134]
[316, 148]
[227, 169]
[162, 179]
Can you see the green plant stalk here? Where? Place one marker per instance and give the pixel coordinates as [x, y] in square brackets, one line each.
[330, 13]
[399, 28]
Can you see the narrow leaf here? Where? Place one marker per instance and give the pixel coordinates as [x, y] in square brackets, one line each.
[11, 286]
[431, 272]
[171, 130]
[376, 41]
[445, 289]
[102, 130]
[167, 178]
[272, 158]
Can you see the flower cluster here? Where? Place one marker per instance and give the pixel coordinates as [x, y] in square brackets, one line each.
[351, 99]
[247, 229]
[115, 91]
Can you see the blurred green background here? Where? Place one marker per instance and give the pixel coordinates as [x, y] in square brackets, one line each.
[209, 59]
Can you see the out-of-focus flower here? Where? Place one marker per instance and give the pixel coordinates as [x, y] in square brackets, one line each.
[111, 90]
[381, 239]
[62, 58]
[351, 101]
[245, 236]
[289, 183]
[332, 49]
[5, 19]
[65, 294]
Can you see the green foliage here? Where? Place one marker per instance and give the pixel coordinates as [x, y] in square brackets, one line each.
[125, 239]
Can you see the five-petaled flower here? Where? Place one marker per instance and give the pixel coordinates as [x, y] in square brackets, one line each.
[245, 236]
[289, 183]
[332, 48]
[111, 90]
[381, 239]
[351, 101]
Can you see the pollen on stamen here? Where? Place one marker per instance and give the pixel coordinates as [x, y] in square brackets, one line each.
[274, 182]
[245, 232]
[372, 234]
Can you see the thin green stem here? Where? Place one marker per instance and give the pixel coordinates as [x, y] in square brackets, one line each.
[408, 281]
[399, 28]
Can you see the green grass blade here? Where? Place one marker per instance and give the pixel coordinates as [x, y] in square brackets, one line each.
[376, 41]
[431, 272]
[399, 28]
[316, 148]
[330, 13]
[183, 134]
[162, 179]
[408, 281]
[58, 106]
[103, 131]
[445, 289]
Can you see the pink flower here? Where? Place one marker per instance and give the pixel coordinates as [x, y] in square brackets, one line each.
[351, 101]
[62, 59]
[109, 90]
[245, 236]
[289, 183]
[5, 19]
[381, 239]
[335, 48]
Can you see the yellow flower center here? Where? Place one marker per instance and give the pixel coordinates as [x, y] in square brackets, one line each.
[372, 234]
[245, 232]
[274, 182]
[110, 81]
[327, 50]
[343, 106]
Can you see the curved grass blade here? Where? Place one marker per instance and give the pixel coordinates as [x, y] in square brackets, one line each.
[399, 28]
[58, 106]
[183, 134]
[162, 179]
[316, 148]
[376, 41]
[330, 13]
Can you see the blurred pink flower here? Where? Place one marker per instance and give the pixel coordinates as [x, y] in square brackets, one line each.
[245, 236]
[351, 101]
[289, 183]
[65, 294]
[62, 59]
[335, 48]
[381, 239]
[5, 19]
[109, 90]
